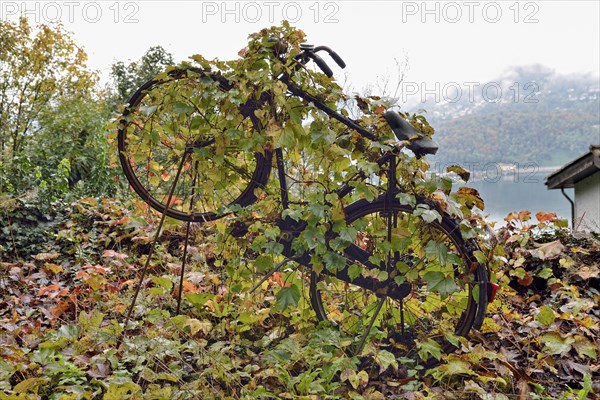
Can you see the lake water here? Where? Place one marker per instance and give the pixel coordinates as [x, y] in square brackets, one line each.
[513, 190]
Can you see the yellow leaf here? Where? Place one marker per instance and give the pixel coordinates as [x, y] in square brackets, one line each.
[197, 326]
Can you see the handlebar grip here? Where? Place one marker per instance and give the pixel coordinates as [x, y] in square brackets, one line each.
[337, 59]
[324, 67]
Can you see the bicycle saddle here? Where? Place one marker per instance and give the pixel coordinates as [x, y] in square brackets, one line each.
[404, 131]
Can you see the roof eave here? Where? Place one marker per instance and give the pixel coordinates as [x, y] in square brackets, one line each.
[575, 171]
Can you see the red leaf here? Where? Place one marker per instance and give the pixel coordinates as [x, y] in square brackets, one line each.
[98, 268]
[545, 217]
[47, 289]
[526, 280]
[114, 254]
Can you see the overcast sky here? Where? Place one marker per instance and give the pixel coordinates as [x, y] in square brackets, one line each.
[456, 41]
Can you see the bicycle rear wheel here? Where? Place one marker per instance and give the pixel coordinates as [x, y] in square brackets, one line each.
[448, 288]
[187, 114]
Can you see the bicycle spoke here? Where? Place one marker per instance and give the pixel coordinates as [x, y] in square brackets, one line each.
[361, 344]
[441, 299]
[150, 253]
[187, 112]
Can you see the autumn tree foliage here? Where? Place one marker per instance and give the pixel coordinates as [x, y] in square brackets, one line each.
[43, 75]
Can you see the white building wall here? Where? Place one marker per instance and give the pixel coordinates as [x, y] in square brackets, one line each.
[587, 204]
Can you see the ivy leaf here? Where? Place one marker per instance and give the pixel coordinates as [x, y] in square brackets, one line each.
[288, 296]
[120, 390]
[199, 299]
[439, 251]
[182, 108]
[430, 348]
[438, 282]
[263, 263]
[428, 215]
[469, 197]
[457, 366]
[460, 171]
[334, 261]
[385, 359]
[406, 198]
[354, 271]
[196, 326]
[356, 379]
[70, 332]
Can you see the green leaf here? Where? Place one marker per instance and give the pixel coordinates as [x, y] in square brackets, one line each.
[554, 343]
[334, 261]
[438, 282]
[545, 273]
[428, 215]
[70, 332]
[545, 316]
[288, 296]
[585, 347]
[429, 348]
[406, 198]
[182, 108]
[385, 359]
[438, 251]
[30, 385]
[196, 122]
[456, 366]
[587, 387]
[286, 138]
[164, 283]
[199, 299]
[120, 390]
[263, 263]
[354, 271]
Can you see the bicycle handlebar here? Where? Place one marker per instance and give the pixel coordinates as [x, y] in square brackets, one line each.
[309, 52]
[338, 60]
[321, 64]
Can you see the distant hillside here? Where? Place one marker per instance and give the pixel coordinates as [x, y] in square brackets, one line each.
[541, 117]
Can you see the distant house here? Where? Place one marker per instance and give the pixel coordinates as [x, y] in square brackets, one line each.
[583, 174]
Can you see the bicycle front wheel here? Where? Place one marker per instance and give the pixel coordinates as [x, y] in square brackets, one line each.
[182, 133]
[447, 289]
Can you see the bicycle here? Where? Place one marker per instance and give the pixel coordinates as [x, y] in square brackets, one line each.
[413, 283]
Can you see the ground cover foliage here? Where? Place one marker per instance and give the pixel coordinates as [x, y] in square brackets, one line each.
[62, 306]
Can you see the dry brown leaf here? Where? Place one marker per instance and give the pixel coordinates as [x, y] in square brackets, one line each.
[587, 272]
[548, 251]
[523, 388]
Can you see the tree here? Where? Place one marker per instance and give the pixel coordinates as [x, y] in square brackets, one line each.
[127, 78]
[40, 69]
